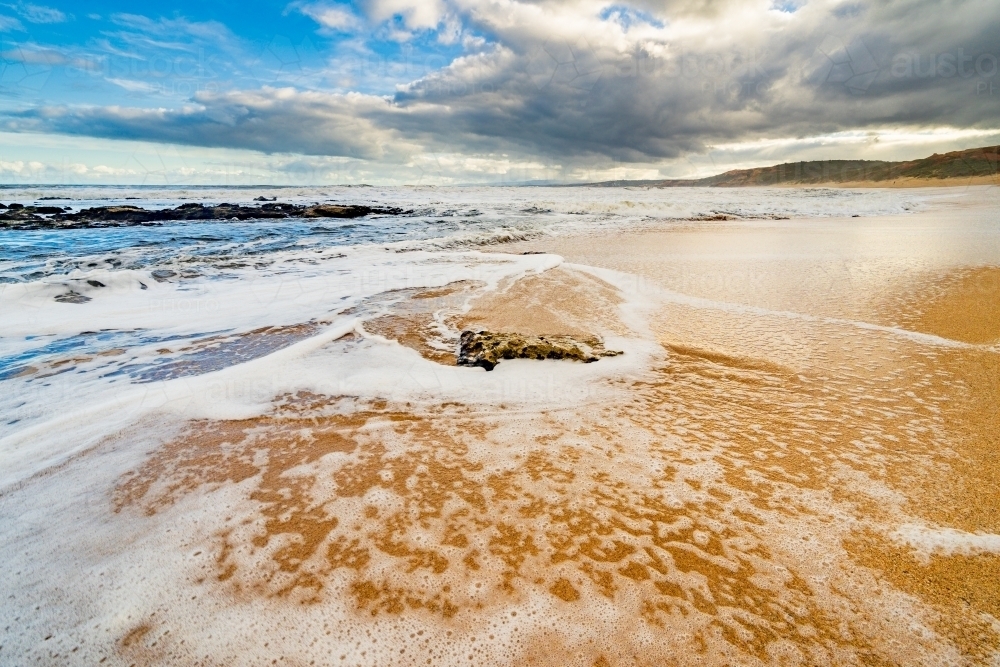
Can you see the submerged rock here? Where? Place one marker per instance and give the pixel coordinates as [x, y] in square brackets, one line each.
[72, 297]
[163, 275]
[486, 349]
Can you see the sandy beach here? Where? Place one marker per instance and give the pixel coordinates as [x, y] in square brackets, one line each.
[520, 333]
[792, 463]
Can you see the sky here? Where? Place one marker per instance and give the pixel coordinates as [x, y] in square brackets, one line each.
[438, 92]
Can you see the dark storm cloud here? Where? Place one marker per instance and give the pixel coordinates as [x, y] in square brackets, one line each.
[267, 120]
[831, 68]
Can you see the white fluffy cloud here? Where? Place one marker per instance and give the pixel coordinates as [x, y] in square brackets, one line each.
[416, 14]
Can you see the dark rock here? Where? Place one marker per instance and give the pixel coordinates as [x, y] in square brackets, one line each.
[96, 283]
[162, 275]
[288, 209]
[133, 214]
[19, 216]
[263, 198]
[27, 215]
[486, 349]
[72, 297]
[334, 211]
[2, 205]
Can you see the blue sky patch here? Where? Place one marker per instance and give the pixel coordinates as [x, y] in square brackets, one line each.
[629, 16]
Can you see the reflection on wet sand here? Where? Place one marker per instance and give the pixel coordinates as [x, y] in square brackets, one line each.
[739, 505]
[960, 305]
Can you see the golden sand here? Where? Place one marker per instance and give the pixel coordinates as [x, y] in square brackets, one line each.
[960, 305]
[558, 302]
[736, 506]
[416, 318]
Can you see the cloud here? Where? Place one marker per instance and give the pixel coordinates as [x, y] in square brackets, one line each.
[8, 23]
[335, 18]
[401, 17]
[31, 54]
[565, 85]
[133, 86]
[176, 29]
[574, 82]
[416, 14]
[270, 120]
[39, 13]
[628, 16]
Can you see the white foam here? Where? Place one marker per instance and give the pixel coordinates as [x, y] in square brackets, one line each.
[655, 293]
[946, 541]
[252, 299]
[67, 412]
[81, 413]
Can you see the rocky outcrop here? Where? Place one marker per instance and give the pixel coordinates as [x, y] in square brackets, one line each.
[331, 211]
[487, 349]
[17, 216]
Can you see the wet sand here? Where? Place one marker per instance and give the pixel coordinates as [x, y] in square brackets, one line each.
[913, 443]
[805, 474]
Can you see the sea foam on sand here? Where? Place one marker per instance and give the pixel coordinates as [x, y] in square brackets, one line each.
[736, 488]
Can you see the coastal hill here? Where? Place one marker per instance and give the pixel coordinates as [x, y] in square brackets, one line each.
[973, 166]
